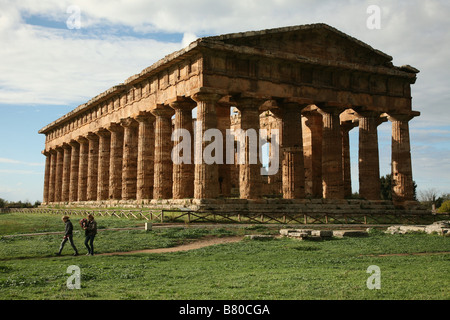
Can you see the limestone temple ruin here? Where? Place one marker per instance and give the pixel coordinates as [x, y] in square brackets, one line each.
[312, 82]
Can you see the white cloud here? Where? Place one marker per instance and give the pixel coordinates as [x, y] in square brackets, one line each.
[12, 161]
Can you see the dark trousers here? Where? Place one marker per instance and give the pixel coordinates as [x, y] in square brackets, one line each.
[89, 243]
[70, 238]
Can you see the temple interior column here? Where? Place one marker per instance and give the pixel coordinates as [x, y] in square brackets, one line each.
[83, 168]
[59, 173]
[346, 126]
[183, 173]
[163, 167]
[332, 181]
[312, 125]
[224, 170]
[130, 154]
[104, 148]
[206, 177]
[115, 162]
[92, 170]
[250, 171]
[292, 152]
[74, 169]
[402, 184]
[276, 180]
[145, 162]
[66, 173]
[369, 163]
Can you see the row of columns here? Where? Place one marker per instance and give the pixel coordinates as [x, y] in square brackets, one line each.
[132, 159]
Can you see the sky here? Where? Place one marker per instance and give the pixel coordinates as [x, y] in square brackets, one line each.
[49, 66]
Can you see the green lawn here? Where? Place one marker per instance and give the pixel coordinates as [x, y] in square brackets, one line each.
[277, 269]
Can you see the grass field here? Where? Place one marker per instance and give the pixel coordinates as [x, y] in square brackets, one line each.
[276, 269]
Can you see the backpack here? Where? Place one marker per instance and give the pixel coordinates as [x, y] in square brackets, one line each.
[83, 223]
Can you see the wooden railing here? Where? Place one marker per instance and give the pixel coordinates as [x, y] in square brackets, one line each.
[191, 216]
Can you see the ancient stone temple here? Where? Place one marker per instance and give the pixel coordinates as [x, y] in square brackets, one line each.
[312, 83]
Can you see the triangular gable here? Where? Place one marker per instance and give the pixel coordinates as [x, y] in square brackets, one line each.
[318, 41]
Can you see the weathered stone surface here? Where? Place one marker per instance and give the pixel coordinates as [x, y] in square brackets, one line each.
[404, 229]
[259, 237]
[440, 227]
[299, 80]
[349, 233]
[322, 233]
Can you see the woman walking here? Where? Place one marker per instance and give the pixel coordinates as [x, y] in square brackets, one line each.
[90, 232]
[68, 235]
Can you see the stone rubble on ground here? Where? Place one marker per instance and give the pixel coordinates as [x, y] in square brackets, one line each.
[440, 227]
[309, 234]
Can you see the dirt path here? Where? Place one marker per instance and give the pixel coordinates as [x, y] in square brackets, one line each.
[186, 247]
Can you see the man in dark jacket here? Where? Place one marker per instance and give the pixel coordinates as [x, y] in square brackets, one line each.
[68, 235]
[90, 232]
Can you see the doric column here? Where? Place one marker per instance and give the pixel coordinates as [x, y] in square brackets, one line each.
[276, 180]
[183, 173]
[346, 126]
[145, 165]
[115, 163]
[292, 149]
[312, 125]
[402, 180]
[332, 181]
[52, 176]
[250, 173]
[129, 165]
[46, 176]
[224, 170]
[66, 173]
[59, 173]
[83, 168]
[369, 163]
[163, 174]
[74, 171]
[104, 146]
[206, 176]
[92, 175]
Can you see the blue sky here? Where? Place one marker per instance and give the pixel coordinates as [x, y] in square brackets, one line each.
[47, 69]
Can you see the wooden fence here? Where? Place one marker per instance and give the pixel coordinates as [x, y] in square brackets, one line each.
[190, 216]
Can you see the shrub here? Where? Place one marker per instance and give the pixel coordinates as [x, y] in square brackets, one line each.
[445, 208]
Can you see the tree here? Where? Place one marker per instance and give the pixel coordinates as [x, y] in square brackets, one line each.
[386, 188]
[2, 203]
[430, 197]
[445, 208]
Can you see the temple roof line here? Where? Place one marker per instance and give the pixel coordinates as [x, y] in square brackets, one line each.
[218, 43]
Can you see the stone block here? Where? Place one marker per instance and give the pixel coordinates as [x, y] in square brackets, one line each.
[322, 233]
[302, 235]
[259, 237]
[349, 233]
[285, 232]
[307, 231]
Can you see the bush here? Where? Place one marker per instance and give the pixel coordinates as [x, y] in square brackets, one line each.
[445, 208]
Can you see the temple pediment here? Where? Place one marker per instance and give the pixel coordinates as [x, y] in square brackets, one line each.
[317, 41]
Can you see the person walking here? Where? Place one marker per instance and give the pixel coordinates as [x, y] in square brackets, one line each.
[90, 232]
[68, 235]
